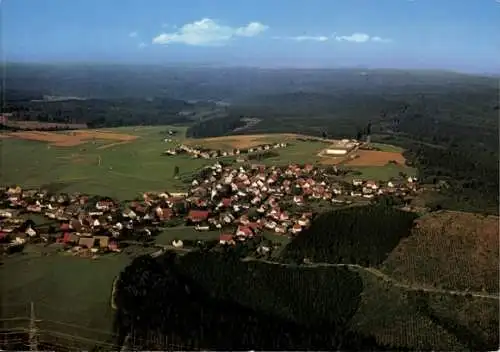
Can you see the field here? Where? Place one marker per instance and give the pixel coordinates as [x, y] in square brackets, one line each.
[450, 250]
[126, 168]
[387, 147]
[380, 173]
[241, 141]
[375, 158]
[72, 138]
[67, 294]
[123, 162]
[43, 125]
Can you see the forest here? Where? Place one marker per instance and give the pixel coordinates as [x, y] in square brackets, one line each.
[98, 112]
[159, 307]
[362, 235]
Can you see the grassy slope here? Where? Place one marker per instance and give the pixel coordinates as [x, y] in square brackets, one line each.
[65, 290]
[136, 167]
[451, 250]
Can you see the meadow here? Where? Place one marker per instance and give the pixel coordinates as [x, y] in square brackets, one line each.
[125, 170]
[71, 295]
[125, 166]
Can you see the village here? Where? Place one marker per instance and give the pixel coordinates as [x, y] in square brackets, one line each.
[205, 153]
[240, 202]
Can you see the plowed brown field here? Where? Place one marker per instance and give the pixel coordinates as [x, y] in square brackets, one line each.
[375, 158]
[70, 139]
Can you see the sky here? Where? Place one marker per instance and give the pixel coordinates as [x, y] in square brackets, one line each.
[461, 35]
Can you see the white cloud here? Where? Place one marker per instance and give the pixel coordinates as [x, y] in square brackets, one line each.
[317, 38]
[380, 40]
[208, 32]
[133, 34]
[142, 45]
[361, 38]
[355, 37]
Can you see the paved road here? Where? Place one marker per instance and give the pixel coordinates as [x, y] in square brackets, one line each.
[383, 276]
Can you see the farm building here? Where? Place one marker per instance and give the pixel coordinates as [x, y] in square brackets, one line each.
[335, 151]
[341, 147]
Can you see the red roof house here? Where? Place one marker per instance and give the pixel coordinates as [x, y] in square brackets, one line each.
[198, 215]
[244, 231]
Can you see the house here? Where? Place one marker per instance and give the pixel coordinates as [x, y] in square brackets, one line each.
[177, 243]
[357, 182]
[296, 229]
[299, 200]
[87, 242]
[371, 184]
[226, 239]
[30, 232]
[202, 227]
[198, 215]
[113, 246]
[244, 231]
[103, 241]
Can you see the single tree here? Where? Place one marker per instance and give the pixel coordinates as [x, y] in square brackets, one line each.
[176, 171]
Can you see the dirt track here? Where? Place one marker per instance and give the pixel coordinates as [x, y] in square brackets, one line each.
[71, 138]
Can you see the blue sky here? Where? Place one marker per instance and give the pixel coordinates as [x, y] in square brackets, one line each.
[459, 35]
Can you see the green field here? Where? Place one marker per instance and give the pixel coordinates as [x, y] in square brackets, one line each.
[381, 173]
[71, 295]
[132, 168]
[387, 147]
[125, 170]
[298, 152]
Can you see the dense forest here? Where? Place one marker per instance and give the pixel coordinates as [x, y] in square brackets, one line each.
[215, 127]
[215, 301]
[362, 235]
[96, 112]
[159, 307]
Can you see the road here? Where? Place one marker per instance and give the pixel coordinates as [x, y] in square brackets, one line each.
[383, 276]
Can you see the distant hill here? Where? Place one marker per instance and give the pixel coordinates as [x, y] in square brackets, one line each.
[229, 84]
[31, 106]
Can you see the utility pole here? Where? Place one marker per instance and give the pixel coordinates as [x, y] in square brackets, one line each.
[33, 330]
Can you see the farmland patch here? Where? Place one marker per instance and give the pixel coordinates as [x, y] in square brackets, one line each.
[375, 158]
[70, 139]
